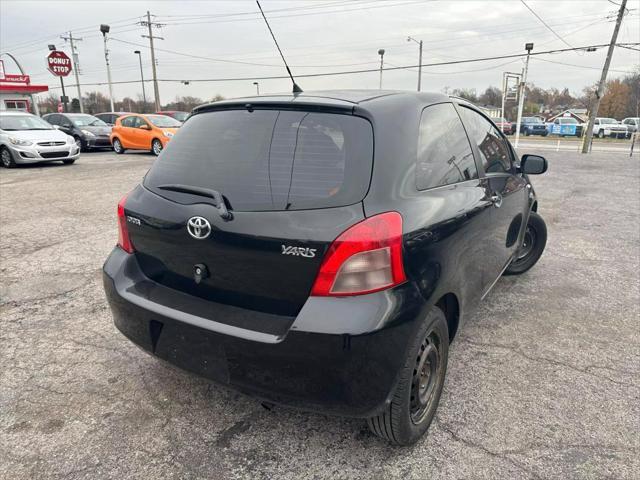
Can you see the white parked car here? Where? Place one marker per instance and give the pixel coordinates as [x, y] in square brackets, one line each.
[633, 125]
[609, 127]
[26, 138]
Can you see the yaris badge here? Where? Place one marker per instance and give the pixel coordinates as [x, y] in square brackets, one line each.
[199, 228]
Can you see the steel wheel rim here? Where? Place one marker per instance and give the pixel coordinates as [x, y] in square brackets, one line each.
[116, 145]
[528, 243]
[426, 374]
[157, 147]
[6, 158]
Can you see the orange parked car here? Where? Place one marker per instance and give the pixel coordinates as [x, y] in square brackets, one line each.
[143, 132]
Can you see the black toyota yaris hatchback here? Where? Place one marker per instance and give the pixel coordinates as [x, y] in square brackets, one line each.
[321, 250]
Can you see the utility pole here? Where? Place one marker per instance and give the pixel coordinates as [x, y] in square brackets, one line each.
[409, 39]
[523, 86]
[105, 29]
[586, 144]
[151, 24]
[381, 53]
[76, 65]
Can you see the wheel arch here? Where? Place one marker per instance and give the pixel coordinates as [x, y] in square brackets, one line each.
[450, 305]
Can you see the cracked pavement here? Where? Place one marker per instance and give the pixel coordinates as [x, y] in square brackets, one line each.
[543, 379]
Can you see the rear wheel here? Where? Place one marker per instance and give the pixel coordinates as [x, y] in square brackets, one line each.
[601, 134]
[527, 132]
[6, 158]
[156, 147]
[416, 398]
[117, 146]
[535, 239]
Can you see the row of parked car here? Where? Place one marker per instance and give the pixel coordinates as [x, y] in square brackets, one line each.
[570, 127]
[27, 138]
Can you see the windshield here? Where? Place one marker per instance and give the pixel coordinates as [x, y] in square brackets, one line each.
[181, 116]
[83, 120]
[608, 120]
[531, 120]
[269, 159]
[23, 122]
[163, 121]
[568, 121]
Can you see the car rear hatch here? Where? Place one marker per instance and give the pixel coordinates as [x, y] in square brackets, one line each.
[242, 204]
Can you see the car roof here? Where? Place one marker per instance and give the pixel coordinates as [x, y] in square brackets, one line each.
[331, 98]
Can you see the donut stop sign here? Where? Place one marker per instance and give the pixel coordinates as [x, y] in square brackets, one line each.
[59, 63]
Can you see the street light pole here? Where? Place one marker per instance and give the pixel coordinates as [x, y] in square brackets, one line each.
[105, 29]
[419, 42]
[144, 95]
[381, 53]
[523, 85]
[257, 88]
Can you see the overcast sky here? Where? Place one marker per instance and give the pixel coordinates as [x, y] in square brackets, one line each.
[317, 37]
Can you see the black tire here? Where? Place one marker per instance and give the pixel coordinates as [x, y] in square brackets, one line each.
[6, 158]
[531, 250]
[156, 147]
[69, 162]
[545, 134]
[414, 403]
[527, 132]
[117, 146]
[601, 134]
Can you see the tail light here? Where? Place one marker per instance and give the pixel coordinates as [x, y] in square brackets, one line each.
[124, 242]
[365, 258]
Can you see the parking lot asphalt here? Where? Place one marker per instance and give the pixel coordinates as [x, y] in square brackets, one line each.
[543, 379]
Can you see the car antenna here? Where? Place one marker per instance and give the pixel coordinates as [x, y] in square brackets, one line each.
[296, 87]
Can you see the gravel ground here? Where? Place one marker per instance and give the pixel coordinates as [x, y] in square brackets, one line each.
[542, 381]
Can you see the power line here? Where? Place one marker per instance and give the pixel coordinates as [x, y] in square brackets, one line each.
[579, 66]
[546, 24]
[370, 70]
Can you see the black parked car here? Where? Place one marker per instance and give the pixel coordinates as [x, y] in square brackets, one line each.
[322, 250]
[110, 117]
[88, 131]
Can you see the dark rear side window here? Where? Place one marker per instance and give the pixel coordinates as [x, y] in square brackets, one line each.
[269, 159]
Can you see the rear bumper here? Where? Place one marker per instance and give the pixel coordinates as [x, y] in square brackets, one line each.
[340, 356]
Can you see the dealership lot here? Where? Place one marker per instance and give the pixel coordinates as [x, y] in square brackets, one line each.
[542, 380]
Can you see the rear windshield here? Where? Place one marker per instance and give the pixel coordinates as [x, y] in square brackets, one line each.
[269, 159]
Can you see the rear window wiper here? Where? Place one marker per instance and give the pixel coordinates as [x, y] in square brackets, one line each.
[202, 192]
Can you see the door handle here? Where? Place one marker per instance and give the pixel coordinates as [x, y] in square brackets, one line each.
[496, 199]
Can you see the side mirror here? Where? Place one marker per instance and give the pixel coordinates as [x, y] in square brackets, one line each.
[533, 164]
[57, 127]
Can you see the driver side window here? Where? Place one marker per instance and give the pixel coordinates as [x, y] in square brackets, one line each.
[495, 153]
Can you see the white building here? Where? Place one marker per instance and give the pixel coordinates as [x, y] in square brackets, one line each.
[16, 91]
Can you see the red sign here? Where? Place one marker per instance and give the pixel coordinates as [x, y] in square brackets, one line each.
[59, 64]
[10, 78]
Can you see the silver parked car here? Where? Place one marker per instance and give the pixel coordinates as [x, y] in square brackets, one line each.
[26, 138]
[633, 124]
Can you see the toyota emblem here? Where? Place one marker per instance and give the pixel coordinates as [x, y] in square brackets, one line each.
[199, 228]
